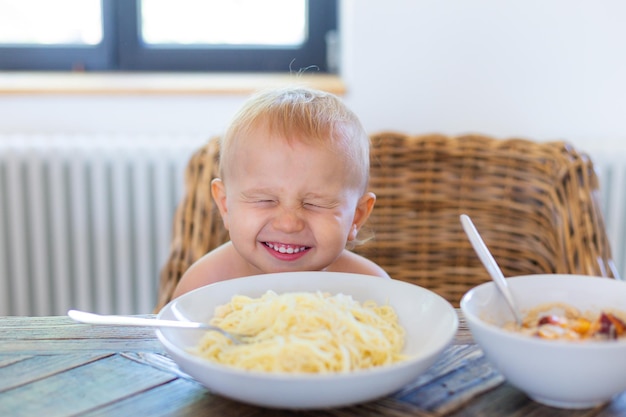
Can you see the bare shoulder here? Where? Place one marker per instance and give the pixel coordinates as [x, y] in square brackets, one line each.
[357, 264]
[213, 267]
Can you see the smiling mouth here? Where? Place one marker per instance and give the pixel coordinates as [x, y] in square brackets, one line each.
[289, 249]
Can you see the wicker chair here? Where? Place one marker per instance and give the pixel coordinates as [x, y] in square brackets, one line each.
[535, 204]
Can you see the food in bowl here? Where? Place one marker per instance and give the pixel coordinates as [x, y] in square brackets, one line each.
[561, 321]
[430, 323]
[310, 332]
[558, 373]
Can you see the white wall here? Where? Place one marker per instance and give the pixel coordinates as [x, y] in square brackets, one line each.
[544, 69]
[541, 69]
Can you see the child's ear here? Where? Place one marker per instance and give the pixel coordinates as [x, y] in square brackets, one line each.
[363, 210]
[218, 191]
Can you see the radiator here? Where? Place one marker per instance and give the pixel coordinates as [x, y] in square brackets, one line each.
[611, 171]
[85, 221]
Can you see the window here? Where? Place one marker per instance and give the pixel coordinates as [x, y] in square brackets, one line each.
[166, 35]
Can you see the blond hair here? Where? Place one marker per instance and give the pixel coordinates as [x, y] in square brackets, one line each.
[300, 113]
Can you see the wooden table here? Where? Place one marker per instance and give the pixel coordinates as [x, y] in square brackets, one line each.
[52, 366]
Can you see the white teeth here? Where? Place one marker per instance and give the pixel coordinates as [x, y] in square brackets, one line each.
[283, 249]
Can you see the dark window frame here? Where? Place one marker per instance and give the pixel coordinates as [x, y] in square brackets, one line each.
[122, 50]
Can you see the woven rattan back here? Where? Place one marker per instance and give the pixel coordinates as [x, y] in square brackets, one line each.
[535, 204]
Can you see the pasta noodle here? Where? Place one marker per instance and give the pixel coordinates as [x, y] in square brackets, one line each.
[305, 332]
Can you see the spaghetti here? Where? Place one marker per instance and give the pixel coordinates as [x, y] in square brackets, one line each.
[304, 332]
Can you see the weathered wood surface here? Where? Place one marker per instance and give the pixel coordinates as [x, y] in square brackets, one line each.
[53, 366]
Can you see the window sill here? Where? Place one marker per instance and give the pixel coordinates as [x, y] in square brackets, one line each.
[25, 83]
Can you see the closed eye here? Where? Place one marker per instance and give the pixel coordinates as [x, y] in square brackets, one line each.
[265, 201]
[262, 199]
[320, 205]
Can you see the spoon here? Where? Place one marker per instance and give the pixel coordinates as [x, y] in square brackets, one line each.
[92, 318]
[490, 263]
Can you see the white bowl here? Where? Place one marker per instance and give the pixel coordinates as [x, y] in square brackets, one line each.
[561, 373]
[429, 320]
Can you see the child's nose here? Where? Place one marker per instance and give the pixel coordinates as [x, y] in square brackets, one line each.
[288, 220]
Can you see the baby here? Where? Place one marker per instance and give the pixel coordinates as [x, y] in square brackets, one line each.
[292, 192]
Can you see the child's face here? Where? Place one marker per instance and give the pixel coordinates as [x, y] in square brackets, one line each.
[287, 207]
